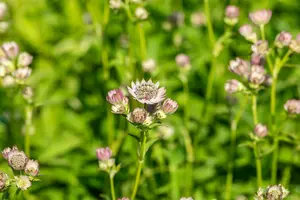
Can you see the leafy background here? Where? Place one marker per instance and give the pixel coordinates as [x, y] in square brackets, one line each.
[76, 62]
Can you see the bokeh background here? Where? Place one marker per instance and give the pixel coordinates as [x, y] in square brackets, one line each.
[78, 59]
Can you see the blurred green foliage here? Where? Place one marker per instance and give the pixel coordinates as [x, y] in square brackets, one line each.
[77, 60]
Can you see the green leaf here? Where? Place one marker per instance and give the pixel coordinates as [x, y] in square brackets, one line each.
[135, 136]
[150, 142]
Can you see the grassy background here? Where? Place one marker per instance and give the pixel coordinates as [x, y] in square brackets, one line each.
[77, 60]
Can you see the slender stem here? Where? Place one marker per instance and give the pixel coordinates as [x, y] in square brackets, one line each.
[112, 187]
[254, 109]
[258, 164]
[143, 52]
[234, 125]
[275, 161]
[210, 29]
[28, 128]
[210, 81]
[141, 155]
[262, 32]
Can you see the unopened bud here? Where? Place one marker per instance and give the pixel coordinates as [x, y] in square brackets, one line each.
[11, 49]
[23, 182]
[261, 130]
[104, 153]
[198, 19]
[260, 47]
[3, 181]
[257, 75]
[32, 168]
[292, 106]
[183, 60]
[283, 39]
[247, 32]
[239, 67]
[232, 15]
[141, 13]
[233, 86]
[260, 17]
[169, 106]
[24, 59]
[115, 4]
[149, 65]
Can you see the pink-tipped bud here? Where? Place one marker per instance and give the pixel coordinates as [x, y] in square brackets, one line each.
[247, 32]
[11, 49]
[115, 96]
[292, 106]
[24, 59]
[183, 60]
[257, 59]
[257, 75]
[239, 67]
[169, 106]
[261, 130]
[233, 86]
[260, 17]
[32, 168]
[283, 39]
[231, 15]
[261, 47]
[5, 152]
[103, 153]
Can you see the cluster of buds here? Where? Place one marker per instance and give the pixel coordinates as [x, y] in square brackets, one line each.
[292, 106]
[14, 66]
[18, 161]
[274, 192]
[156, 107]
[232, 14]
[106, 162]
[3, 24]
[253, 75]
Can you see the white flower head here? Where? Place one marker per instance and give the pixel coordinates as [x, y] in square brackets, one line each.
[146, 92]
[23, 182]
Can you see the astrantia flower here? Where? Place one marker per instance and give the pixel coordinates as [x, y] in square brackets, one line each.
[138, 115]
[257, 59]
[147, 92]
[260, 17]
[295, 46]
[231, 15]
[32, 168]
[17, 159]
[8, 81]
[183, 60]
[283, 39]
[103, 153]
[261, 130]
[257, 75]
[239, 67]
[198, 19]
[23, 182]
[259, 194]
[3, 180]
[276, 192]
[115, 4]
[11, 49]
[119, 101]
[247, 32]
[169, 106]
[292, 106]
[22, 73]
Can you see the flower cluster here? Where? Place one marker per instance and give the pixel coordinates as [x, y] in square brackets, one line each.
[3, 24]
[106, 162]
[18, 161]
[156, 107]
[292, 106]
[14, 66]
[274, 192]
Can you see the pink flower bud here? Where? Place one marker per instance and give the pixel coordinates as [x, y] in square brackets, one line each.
[247, 32]
[257, 75]
[239, 67]
[138, 115]
[103, 153]
[292, 106]
[32, 168]
[283, 39]
[183, 60]
[198, 19]
[232, 12]
[261, 130]
[5, 152]
[11, 49]
[115, 97]
[24, 59]
[3, 179]
[260, 17]
[257, 59]
[233, 86]
[22, 73]
[169, 106]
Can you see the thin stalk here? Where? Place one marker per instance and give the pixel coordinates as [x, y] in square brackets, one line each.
[112, 187]
[141, 157]
[210, 81]
[211, 34]
[143, 51]
[258, 164]
[28, 128]
[234, 125]
[262, 32]
[254, 109]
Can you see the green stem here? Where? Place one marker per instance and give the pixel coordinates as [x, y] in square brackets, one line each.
[210, 29]
[112, 187]
[210, 81]
[262, 31]
[258, 165]
[143, 52]
[28, 128]
[141, 157]
[254, 109]
[234, 125]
